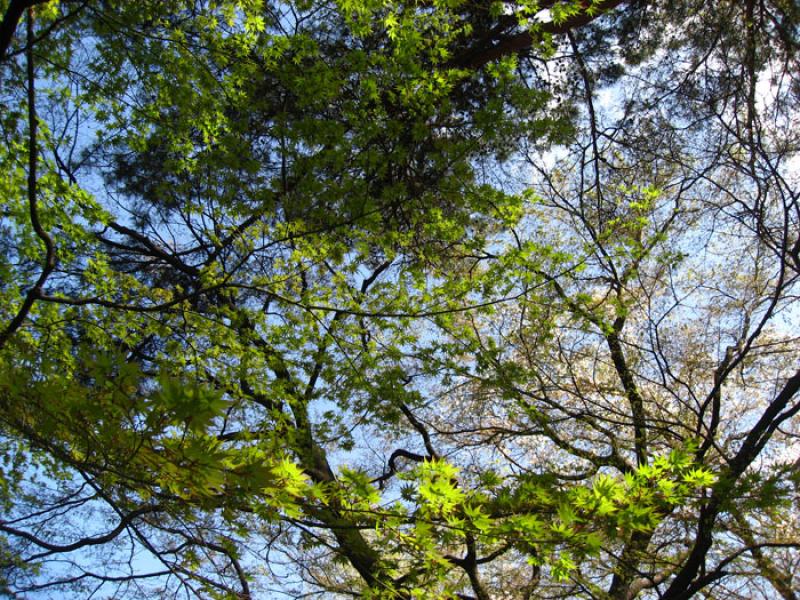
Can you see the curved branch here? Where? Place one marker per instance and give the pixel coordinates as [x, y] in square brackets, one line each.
[8, 26]
[417, 424]
[91, 541]
[50, 252]
[399, 453]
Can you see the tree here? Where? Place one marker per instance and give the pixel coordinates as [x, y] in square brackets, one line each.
[395, 300]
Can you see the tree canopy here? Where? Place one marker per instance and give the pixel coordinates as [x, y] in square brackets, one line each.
[400, 299]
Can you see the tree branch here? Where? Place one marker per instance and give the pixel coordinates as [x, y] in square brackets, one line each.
[50, 253]
[477, 57]
[8, 26]
[92, 541]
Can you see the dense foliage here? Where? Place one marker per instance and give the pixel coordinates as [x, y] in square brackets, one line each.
[385, 299]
